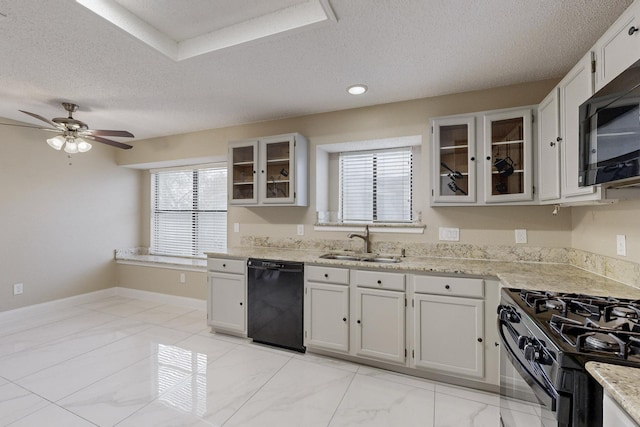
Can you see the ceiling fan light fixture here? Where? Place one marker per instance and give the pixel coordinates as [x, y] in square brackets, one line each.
[56, 142]
[83, 146]
[71, 146]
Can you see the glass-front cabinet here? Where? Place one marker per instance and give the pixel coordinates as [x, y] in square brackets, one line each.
[269, 171]
[508, 156]
[482, 158]
[243, 167]
[454, 171]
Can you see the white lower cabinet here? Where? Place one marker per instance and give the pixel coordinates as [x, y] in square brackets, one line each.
[326, 308]
[448, 324]
[449, 334]
[226, 308]
[380, 324]
[328, 316]
[420, 323]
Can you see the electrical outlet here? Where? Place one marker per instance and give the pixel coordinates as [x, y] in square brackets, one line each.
[621, 245]
[449, 234]
[236, 227]
[183, 278]
[18, 288]
[300, 229]
[521, 236]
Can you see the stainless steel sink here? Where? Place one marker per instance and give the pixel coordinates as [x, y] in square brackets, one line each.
[341, 257]
[382, 259]
[363, 257]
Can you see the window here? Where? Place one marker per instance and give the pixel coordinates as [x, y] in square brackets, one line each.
[188, 210]
[376, 186]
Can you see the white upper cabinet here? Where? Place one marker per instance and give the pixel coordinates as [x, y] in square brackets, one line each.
[549, 147]
[454, 171]
[508, 170]
[269, 171]
[619, 47]
[575, 88]
[502, 173]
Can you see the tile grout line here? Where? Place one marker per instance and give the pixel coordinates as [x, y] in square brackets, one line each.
[346, 390]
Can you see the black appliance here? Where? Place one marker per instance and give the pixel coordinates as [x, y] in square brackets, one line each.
[275, 303]
[549, 337]
[610, 133]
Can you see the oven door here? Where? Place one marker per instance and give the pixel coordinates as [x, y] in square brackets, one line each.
[526, 395]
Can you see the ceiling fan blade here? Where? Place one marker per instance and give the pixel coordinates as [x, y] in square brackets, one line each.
[40, 118]
[102, 132]
[30, 127]
[108, 142]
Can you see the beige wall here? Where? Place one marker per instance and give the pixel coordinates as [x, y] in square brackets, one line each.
[481, 225]
[595, 229]
[60, 223]
[163, 280]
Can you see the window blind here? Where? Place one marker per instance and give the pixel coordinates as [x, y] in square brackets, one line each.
[188, 211]
[377, 186]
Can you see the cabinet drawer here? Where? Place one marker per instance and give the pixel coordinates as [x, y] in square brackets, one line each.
[226, 265]
[328, 274]
[381, 280]
[457, 286]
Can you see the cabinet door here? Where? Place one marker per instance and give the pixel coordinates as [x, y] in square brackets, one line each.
[549, 147]
[277, 169]
[327, 312]
[575, 88]
[380, 324]
[619, 47]
[508, 156]
[449, 334]
[242, 165]
[454, 168]
[227, 302]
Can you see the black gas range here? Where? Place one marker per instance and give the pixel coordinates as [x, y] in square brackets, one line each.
[549, 337]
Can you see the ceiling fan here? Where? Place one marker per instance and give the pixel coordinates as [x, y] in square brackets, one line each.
[73, 133]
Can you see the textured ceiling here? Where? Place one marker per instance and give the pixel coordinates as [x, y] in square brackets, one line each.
[52, 51]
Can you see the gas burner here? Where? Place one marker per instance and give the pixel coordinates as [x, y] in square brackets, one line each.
[625, 312]
[603, 342]
[554, 304]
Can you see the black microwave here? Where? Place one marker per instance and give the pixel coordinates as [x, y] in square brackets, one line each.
[610, 133]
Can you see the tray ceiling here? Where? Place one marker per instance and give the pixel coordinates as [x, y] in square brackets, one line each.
[275, 58]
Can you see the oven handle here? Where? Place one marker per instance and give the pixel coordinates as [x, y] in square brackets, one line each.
[524, 372]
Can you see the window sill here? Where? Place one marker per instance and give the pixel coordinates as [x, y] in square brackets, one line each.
[160, 261]
[373, 228]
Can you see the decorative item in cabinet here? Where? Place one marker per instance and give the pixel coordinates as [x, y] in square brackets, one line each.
[454, 159]
[508, 151]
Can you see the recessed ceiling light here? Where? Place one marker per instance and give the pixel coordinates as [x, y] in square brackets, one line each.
[357, 89]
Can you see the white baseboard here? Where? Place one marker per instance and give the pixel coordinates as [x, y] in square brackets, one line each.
[62, 302]
[195, 303]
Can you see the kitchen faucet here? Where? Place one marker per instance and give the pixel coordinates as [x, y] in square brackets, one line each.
[364, 237]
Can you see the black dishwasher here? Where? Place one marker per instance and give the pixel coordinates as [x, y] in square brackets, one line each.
[275, 301]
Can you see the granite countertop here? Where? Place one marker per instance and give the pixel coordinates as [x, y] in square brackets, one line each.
[526, 275]
[621, 382]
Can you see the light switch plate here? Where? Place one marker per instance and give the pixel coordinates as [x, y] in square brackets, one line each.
[300, 229]
[521, 236]
[18, 288]
[236, 227]
[449, 234]
[621, 245]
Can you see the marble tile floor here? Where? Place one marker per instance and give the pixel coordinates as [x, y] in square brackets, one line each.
[127, 362]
